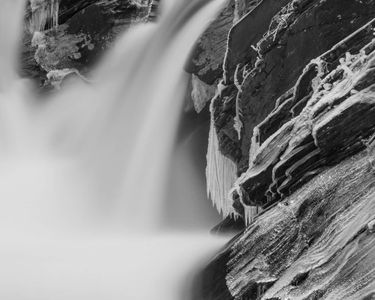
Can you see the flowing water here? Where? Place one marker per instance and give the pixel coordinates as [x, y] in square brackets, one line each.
[83, 173]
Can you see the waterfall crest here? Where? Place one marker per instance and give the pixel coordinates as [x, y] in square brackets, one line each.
[83, 172]
[105, 146]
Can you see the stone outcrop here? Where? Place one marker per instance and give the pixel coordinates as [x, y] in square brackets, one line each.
[267, 51]
[295, 110]
[75, 35]
[317, 244]
[327, 118]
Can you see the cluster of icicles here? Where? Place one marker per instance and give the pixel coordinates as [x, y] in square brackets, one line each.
[221, 176]
[221, 172]
[45, 14]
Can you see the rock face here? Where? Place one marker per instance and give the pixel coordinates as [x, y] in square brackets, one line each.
[267, 51]
[295, 111]
[318, 244]
[327, 118]
[207, 58]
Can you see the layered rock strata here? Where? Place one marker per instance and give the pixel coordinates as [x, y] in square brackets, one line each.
[328, 117]
[266, 53]
[267, 79]
[295, 110]
[317, 244]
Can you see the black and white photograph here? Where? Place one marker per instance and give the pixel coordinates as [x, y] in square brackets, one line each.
[187, 149]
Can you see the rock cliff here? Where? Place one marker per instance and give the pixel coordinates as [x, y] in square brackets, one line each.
[294, 111]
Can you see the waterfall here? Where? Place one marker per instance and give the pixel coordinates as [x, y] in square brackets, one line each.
[83, 172]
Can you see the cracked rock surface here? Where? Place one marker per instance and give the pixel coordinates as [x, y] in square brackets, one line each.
[267, 51]
[299, 76]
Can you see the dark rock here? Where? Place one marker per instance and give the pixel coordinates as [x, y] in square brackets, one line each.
[100, 28]
[86, 29]
[68, 8]
[247, 33]
[259, 75]
[208, 55]
[256, 182]
[229, 225]
[28, 66]
[210, 283]
[310, 245]
[332, 125]
[243, 7]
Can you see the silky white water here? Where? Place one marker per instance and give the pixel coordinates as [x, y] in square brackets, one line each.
[83, 173]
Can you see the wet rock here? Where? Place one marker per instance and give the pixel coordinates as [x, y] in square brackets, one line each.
[336, 204]
[242, 7]
[84, 31]
[139, 9]
[332, 125]
[229, 225]
[247, 33]
[302, 82]
[267, 51]
[210, 283]
[207, 57]
[313, 245]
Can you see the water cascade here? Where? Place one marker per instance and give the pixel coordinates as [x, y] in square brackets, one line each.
[83, 173]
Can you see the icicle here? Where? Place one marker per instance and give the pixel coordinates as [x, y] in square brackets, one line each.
[238, 125]
[43, 11]
[39, 15]
[221, 173]
[55, 13]
[254, 146]
[249, 213]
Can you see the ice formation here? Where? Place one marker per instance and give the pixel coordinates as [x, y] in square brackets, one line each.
[249, 214]
[45, 14]
[221, 173]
